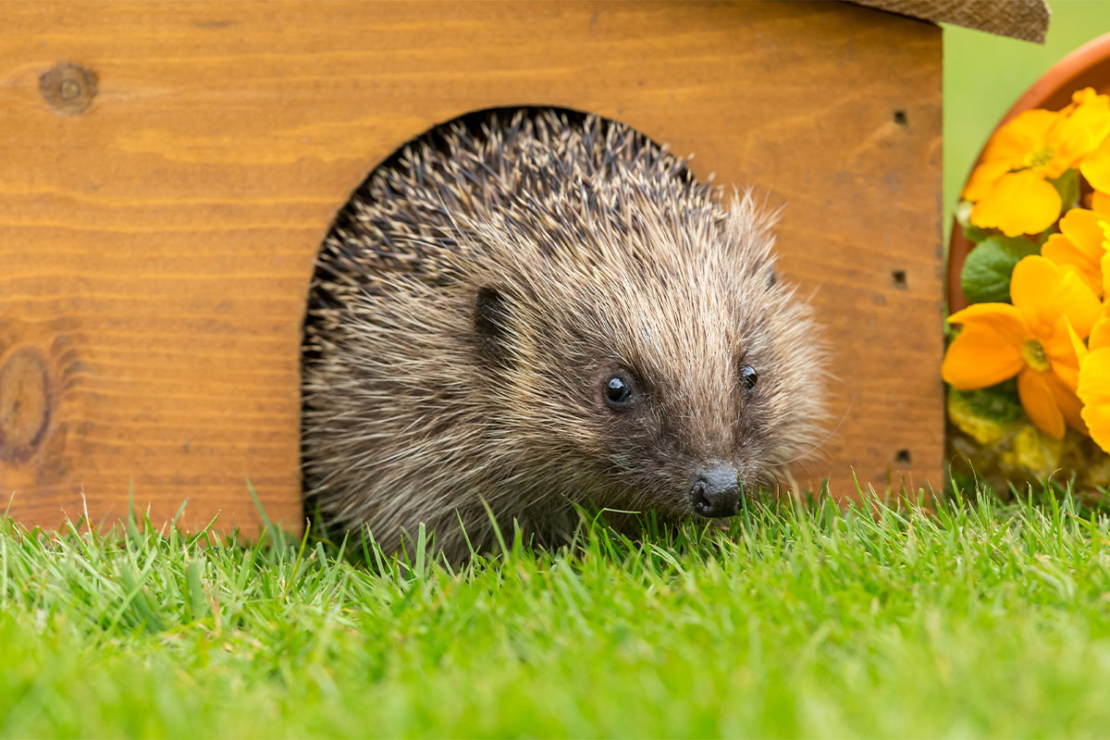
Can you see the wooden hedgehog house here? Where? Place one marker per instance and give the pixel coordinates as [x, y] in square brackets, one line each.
[169, 169]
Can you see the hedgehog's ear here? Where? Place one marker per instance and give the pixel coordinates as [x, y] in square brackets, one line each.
[491, 323]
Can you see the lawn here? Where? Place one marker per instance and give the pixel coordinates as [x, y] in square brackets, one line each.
[981, 620]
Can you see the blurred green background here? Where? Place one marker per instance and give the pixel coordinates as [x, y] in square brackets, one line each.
[984, 75]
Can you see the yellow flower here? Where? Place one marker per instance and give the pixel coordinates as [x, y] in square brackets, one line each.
[1018, 203]
[1086, 124]
[1079, 246]
[1009, 187]
[1094, 392]
[1096, 168]
[1093, 388]
[1029, 339]
[1100, 202]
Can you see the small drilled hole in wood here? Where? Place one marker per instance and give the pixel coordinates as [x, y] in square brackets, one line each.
[903, 456]
[900, 117]
[899, 278]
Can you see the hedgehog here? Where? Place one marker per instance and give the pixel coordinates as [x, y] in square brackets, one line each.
[524, 315]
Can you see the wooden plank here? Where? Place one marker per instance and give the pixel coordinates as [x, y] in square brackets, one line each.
[157, 242]
[1026, 20]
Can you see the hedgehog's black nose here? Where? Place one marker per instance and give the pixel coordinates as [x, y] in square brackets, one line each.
[716, 490]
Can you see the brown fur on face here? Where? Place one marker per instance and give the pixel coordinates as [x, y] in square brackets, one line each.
[475, 297]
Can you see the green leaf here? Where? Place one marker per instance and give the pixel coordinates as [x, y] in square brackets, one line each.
[986, 273]
[975, 234]
[988, 414]
[1067, 185]
[999, 403]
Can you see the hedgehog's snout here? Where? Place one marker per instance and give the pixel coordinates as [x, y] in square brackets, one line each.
[715, 491]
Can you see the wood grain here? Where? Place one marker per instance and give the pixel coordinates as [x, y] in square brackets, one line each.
[156, 245]
[1026, 20]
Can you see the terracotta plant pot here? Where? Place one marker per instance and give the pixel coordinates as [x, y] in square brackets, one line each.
[1087, 66]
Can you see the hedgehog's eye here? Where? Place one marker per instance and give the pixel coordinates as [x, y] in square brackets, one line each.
[618, 391]
[748, 377]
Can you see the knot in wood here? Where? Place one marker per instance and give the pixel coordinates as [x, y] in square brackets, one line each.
[24, 405]
[69, 88]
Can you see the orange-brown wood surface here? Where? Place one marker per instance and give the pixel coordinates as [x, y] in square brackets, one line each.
[162, 200]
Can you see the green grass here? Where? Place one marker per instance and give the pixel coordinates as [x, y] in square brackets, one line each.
[982, 620]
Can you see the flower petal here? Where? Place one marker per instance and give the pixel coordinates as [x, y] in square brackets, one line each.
[1045, 293]
[1064, 253]
[1094, 378]
[980, 357]
[1069, 404]
[1085, 95]
[1019, 203]
[1094, 392]
[1026, 133]
[1065, 350]
[1077, 345]
[983, 179]
[1104, 263]
[1040, 403]
[1001, 317]
[1097, 419]
[1067, 372]
[1081, 227]
[1081, 306]
[1100, 202]
[1071, 142]
[1080, 129]
[1096, 167]
[1100, 333]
